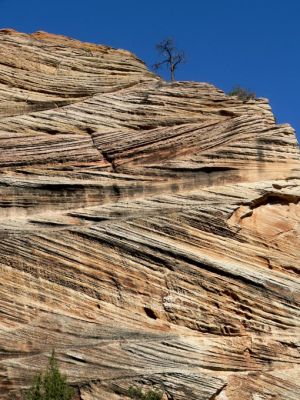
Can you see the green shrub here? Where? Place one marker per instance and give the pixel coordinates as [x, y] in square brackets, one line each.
[34, 392]
[153, 395]
[51, 385]
[137, 393]
[242, 93]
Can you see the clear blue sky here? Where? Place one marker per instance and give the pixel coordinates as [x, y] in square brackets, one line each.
[254, 43]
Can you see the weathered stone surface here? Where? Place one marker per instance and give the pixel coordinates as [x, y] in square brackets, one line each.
[149, 230]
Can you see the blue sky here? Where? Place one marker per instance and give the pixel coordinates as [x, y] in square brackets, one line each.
[254, 43]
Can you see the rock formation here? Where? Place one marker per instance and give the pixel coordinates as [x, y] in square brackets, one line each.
[150, 231]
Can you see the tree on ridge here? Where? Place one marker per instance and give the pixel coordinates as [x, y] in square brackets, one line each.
[171, 56]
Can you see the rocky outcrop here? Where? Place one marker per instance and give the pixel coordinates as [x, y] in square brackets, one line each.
[149, 230]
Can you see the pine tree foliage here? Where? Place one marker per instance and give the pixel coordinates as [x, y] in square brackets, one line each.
[34, 392]
[52, 385]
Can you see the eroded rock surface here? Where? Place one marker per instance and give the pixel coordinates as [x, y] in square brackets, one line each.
[149, 230]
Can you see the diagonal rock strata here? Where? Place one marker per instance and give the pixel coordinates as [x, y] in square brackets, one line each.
[149, 230]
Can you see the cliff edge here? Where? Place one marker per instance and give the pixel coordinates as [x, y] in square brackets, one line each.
[150, 231]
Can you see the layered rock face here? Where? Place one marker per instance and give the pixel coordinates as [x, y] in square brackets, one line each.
[150, 230]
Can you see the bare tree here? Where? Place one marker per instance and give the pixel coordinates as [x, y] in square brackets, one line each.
[172, 57]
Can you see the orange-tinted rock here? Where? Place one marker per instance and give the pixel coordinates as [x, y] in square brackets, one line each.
[149, 230]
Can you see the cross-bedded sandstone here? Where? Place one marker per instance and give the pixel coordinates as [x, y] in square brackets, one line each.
[149, 230]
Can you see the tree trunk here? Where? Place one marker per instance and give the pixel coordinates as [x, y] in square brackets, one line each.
[172, 69]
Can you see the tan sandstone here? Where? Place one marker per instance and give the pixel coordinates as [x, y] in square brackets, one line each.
[149, 230]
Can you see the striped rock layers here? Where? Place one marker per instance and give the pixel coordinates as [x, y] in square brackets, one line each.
[150, 231]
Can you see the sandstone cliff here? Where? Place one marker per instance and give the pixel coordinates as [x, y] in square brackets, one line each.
[150, 230]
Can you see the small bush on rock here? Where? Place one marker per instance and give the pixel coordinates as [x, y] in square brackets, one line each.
[137, 393]
[51, 385]
[242, 93]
